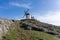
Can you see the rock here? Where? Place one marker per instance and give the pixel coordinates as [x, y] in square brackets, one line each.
[52, 33]
[4, 26]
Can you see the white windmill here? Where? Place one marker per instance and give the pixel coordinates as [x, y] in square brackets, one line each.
[27, 15]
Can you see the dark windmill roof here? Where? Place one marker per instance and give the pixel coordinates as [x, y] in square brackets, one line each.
[27, 14]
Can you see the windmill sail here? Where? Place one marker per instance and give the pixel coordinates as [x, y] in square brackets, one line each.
[26, 12]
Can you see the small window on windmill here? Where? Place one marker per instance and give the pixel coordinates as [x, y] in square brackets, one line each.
[0, 22]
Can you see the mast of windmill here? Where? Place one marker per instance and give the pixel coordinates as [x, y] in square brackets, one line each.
[27, 15]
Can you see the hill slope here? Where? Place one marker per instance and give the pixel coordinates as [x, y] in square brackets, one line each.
[32, 29]
[40, 26]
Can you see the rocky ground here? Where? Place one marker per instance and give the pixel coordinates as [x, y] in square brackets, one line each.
[28, 29]
[4, 26]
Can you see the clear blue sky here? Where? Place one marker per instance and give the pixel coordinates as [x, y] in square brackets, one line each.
[14, 9]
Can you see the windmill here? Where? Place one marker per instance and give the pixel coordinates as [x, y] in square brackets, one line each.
[27, 15]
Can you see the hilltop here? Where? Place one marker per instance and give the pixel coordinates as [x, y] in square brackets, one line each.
[30, 29]
[33, 24]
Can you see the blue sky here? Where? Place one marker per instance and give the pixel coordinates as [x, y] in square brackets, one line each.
[44, 10]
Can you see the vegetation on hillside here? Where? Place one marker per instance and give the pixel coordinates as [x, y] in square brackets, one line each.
[16, 32]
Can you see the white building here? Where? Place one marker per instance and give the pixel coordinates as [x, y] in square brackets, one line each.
[28, 16]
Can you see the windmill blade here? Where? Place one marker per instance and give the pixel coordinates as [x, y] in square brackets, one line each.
[23, 16]
[24, 11]
[27, 10]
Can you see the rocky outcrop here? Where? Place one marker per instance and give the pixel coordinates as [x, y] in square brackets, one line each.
[30, 24]
[19, 29]
[4, 26]
[36, 25]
